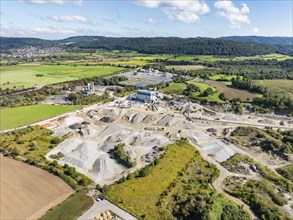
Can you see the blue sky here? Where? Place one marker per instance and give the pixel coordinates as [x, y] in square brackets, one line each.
[56, 19]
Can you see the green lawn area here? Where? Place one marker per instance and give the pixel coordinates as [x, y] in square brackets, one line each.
[24, 75]
[174, 88]
[202, 86]
[71, 208]
[19, 116]
[223, 76]
[139, 196]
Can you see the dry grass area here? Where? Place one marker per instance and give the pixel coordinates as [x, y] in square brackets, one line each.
[27, 192]
[230, 92]
[186, 67]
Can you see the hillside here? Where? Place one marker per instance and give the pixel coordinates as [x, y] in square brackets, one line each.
[282, 44]
[156, 45]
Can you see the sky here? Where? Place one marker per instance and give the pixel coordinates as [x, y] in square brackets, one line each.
[58, 19]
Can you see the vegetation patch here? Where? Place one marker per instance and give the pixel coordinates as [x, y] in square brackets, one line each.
[286, 171]
[277, 142]
[174, 88]
[19, 116]
[131, 195]
[205, 92]
[71, 208]
[31, 144]
[177, 186]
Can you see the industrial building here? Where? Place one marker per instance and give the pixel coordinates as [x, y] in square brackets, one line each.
[145, 95]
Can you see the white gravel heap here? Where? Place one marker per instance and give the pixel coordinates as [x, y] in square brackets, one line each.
[218, 149]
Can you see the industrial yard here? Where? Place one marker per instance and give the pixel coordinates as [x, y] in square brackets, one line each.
[142, 130]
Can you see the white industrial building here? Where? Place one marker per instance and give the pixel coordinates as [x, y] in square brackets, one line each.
[145, 96]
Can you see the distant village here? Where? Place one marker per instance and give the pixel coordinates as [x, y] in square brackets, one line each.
[31, 52]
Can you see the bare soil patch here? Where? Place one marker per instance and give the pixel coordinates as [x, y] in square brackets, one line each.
[230, 92]
[27, 192]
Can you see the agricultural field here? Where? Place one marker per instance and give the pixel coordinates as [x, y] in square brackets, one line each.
[130, 195]
[231, 92]
[174, 88]
[70, 209]
[282, 86]
[30, 75]
[186, 67]
[27, 192]
[202, 87]
[19, 116]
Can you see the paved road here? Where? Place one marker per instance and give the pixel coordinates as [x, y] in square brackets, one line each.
[103, 206]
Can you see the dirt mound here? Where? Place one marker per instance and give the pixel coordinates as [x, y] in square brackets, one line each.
[106, 119]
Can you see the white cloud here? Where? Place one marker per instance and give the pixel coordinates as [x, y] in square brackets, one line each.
[150, 21]
[70, 18]
[60, 2]
[40, 2]
[53, 31]
[113, 18]
[79, 2]
[255, 30]
[179, 10]
[236, 16]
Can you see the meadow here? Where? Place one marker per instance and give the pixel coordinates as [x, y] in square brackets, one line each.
[19, 116]
[176, 88]
[282, 86]
[202, 87]
[139, 196]
[25, 75]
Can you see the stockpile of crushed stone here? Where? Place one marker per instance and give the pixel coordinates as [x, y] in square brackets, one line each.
[168, 120]
[232, 118]
[219, 150]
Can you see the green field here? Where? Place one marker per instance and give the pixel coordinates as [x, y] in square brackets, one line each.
[140, 195]
[71, 208]
[25, 75]
[223, 77]
[202, 86]
[19, 116]
[174, 88]
[277, 86]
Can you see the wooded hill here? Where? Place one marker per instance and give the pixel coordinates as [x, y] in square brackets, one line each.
[156, 45]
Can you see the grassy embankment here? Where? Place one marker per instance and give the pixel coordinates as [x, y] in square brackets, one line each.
[25, 75]
[71, 208]
[19, 116]
[177, 187]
